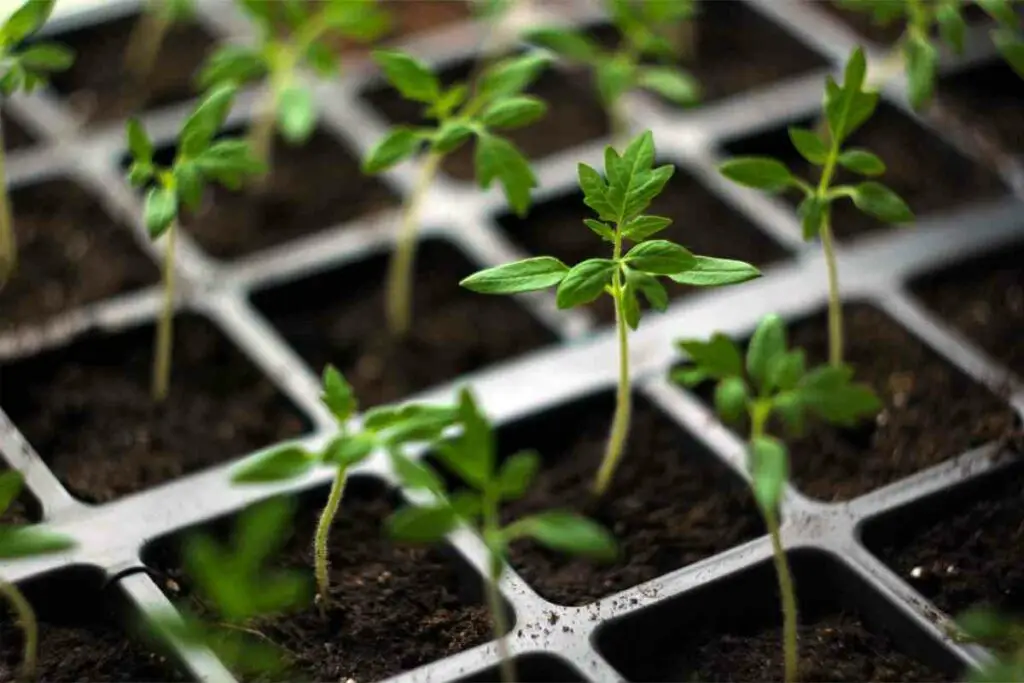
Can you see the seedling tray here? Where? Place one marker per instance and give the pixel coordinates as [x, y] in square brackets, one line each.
[863, 554]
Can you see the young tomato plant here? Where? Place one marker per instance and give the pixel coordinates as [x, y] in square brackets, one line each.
[775, 384]
[147, 38]
[847, 108]
[235, 588]
[21, 541]
[492, 103]
[200, 160]
[642, 29]
[620, 201]
[292, 34]
[472, 457]
[385, 427]
[23, 69]
[1002, 634]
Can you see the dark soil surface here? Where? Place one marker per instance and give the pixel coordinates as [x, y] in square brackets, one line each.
[929, 175]
[702, 223]
[990, 97]
[392, 608]
[15, 137]
[409, 18]
[671, 503]
[311, 187]
[338, 317]
[71, 254]
[87, 409]
[984, 299]
[574, 117]
[97, 86]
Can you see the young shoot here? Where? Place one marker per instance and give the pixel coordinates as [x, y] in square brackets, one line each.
[619, 200]
[1002, 634]
[235, 588]
[147, 38]
[847, 108]
[472, 457]
[23, 70]
[774, 382]
[493, 103]
[292, 34]
[386, 427]
[19, 541]
[200, 160]
[644, 31]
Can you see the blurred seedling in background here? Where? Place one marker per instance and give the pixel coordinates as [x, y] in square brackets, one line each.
[235, 590]
[148, 35]
[200, 160]
[471, 455]
[23, 70]
[774, 383]
[20, 541]
[480, 109]
[389, 428]
[620, 199]
[644, 32]
[1003, 635]
[292, 34]
[847, 108]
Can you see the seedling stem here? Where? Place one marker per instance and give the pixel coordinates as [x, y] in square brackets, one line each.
[165, 326]
[8, 240]
[323, 532]
[27, 620]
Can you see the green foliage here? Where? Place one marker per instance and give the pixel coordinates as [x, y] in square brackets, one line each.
[496, 103]
[1002, 634]
[847, 108]
[200, 160]
[772, 381]
[25, 69]
[172, 11]
[19, 541]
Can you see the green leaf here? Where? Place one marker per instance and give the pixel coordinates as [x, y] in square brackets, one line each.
[768, 342]
[568, 533]
[237, 64]
[322, 60]
[653, 290]
[411, 77]
[671, 83]
[719, 357]
[228, 162]
[614, 77]
[421, 524]
[1000, 10]
[261, 531]
[450, 135]
[30, 541]
[642, 227]
[511, 76]
[786, 370]
[47, 57]
[842, 105]
[707, 271]
[998, 672]
[202, 125]
[632, 184]
[281, 464]
[602, 230]
[812, 211]
[160, 211]
[762, 173]
[881, 202]
[952, 26]
[517, 473]
[862, 161]
[498, 158]
[563, 41]
[1011, 47]
[514, 112]
[789, 406]
[25, 21]
[448, 101]
[416, 474]
[296, 114]
[527, 275]
[922, 63]
[10, 486]
[984, 625]
[769, 468]
[400, 143]
[470, 455]
[688, 377]
[809, 145]
[139, 143]
[338, 395]
[584, 282]
[630, 307]
[347, 451]
[731, 398]
[595, 193]
[189, 180]
[659, 257]
[828, 392]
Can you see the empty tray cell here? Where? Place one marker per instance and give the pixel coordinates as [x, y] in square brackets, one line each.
[87, 409]
[984, 300]
[927, 173]
[533, 668]
[731, 630]
[338, 317]
[97, 85]
[411, 18]
[962, 547]
[702, 223]
[86, 633]
[392, 607]
[990, 97]
[71, 253]
[15, 136]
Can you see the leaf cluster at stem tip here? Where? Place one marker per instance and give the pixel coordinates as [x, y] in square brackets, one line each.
[641, 29]
[773, 381]
[619, 199]
[25, 69]
[1001, 633]
[20, 540]
[847, 108]
[201, 159]
[463, 111]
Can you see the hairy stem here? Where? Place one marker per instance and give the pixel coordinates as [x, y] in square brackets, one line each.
[27, 620]
[165, 326]
[144, 44]
[835, 306]
[789, 613]
[400, 269]
[8, 240]
[323, 532]
[623, 402]
[261, 133]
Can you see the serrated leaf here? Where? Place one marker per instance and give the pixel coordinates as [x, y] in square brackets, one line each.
[862, 161]
[786, 370]
[630, 307]
[31, 541]
[719, 357]
[642, 227]
[47, 57]
[399, 144]
[840, 103]
[348, 451]
[10, 486]
[614, 77]
[584, 282]
[514, 112]
[516, 474]
[203, 123]
[881, 202]
[337, 395]
[767, 343]
[566, 42]
[228, 162]
[659, 257]
[139, 143]
[1011, 47]
[411, 77]
[769, 468]
[448, 101]
[527, 275]
[569, 533]
[296, 113]
[708, 271]
[809, 145]
[922, 63]
[511, 76]
[595, 193]
[673, 84]
[731, 398]
[498, 158]
[421, 524]
[652, 290]
[602, 230]
[813, 211]
[232, 64]
[280, 464]
[160, 211]
[762, 173]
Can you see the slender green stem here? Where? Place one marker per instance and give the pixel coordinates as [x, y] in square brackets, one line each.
[165, 326]
[27, 620]
[261, 133]
[323, 532]
[491, 526]
[8, 240]
[835, 306]
[400, 269]
[144, 44]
